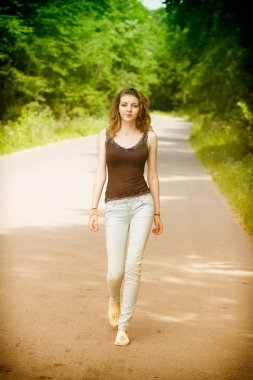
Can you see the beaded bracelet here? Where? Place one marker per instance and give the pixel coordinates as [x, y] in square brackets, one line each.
[93, 211]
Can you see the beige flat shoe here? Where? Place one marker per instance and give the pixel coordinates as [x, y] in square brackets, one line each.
[113, 313]
[121, 338]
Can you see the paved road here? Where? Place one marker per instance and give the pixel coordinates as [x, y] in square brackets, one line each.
[193, 319]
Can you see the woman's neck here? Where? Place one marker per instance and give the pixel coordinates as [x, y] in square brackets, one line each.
[125, 128]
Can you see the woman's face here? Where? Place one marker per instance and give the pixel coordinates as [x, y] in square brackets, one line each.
[128, 107]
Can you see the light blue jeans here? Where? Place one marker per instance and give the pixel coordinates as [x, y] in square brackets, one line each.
[128, 223]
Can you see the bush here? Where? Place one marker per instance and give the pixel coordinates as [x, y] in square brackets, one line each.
[36, 126]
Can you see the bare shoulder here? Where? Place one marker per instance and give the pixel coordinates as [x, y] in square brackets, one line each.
[102, 132]
[102, 135]
[152, 138]
[152, 135]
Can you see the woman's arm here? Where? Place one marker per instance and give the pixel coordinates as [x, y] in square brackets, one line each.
[99, 181]
[153, 180]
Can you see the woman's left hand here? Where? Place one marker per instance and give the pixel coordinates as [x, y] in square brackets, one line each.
[158, 230]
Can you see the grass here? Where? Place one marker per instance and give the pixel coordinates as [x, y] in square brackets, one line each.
[224, 153]
[37, 127]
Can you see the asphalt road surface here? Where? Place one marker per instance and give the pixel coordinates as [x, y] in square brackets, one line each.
[193, 319]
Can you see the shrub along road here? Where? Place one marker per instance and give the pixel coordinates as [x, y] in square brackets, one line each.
[193, 319]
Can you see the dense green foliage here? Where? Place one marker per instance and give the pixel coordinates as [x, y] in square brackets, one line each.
[207, 72]
[37, 126]
[207, 63]
[73, 56]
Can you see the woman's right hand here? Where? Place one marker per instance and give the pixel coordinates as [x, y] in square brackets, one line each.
[93, 223]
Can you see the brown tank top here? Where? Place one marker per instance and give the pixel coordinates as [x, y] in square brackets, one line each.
[126, 169]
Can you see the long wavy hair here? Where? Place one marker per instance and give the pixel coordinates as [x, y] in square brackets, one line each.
[143, 119]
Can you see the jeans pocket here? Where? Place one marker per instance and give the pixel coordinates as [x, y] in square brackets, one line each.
[147, 199]
[109, 205]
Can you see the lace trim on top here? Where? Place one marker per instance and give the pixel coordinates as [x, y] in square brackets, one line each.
[107, 135]
[147, 191]
[144, 138]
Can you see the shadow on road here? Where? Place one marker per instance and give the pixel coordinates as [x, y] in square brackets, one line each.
[54, 302]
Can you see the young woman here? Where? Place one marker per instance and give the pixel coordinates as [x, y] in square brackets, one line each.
[131, 205]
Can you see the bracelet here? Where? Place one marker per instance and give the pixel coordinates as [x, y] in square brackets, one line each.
[157, 214]
[93, 211]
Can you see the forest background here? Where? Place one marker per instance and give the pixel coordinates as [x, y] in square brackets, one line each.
[63, 61]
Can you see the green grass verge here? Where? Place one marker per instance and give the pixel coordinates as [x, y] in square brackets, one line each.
[227, 158]
[37, 127]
